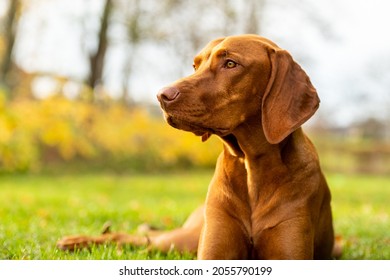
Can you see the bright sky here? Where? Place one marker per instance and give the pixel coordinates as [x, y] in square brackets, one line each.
[351, 71]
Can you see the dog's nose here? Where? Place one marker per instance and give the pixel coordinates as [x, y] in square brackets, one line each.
[168, 94]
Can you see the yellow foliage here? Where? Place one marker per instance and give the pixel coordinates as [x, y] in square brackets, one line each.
[34, 132]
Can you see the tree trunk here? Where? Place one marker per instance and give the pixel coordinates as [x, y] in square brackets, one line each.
[97, 59]
[10, 35]
[255, 16]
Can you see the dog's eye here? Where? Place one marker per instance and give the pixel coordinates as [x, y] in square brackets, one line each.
[194, 66]
[230, 64]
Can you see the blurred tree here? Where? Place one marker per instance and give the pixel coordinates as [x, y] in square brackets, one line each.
[255, 16]
[10, 31]
[188, 25]
[97, 58]
[135, 33]
[185, 26]
[371, 128]
[142, 21]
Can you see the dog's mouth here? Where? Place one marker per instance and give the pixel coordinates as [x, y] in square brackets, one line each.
[197, 129]
[187, 126]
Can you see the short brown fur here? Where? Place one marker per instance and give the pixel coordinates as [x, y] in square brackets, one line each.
[268, 198]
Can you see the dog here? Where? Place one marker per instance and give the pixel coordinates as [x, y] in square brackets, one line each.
[268, 198]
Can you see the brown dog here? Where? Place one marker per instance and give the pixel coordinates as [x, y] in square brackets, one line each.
[268, 198]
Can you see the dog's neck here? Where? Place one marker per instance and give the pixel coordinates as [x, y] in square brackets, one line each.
[256, 145]
[262, 159]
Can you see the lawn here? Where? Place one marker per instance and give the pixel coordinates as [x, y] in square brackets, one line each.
[36, 210]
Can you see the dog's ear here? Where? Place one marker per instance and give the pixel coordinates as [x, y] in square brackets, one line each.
[289, 99]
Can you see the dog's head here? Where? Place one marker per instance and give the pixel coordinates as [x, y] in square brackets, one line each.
[237, 78]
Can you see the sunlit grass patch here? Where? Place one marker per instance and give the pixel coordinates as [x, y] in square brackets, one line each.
[37, 210]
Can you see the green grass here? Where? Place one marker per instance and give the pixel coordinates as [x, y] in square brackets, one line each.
[361, 213]
[36, 210]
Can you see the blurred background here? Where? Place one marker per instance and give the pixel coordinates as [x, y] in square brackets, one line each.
[78, 79]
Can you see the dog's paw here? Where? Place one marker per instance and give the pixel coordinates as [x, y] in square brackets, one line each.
[72, 243]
